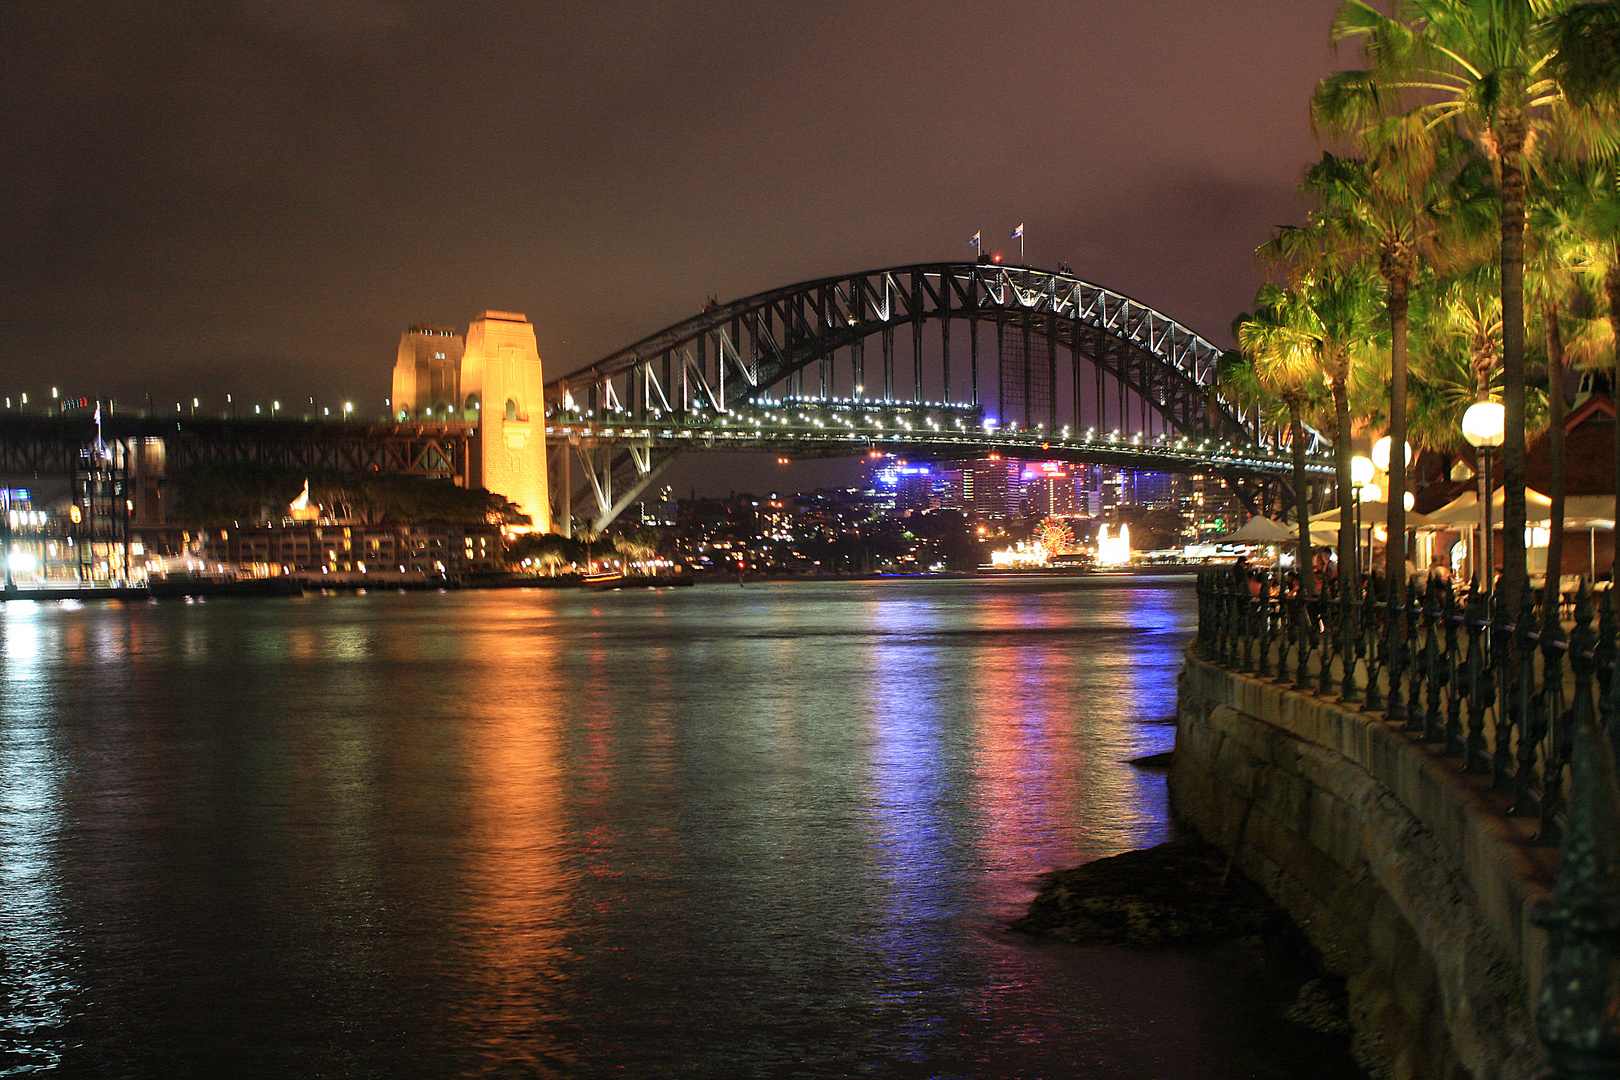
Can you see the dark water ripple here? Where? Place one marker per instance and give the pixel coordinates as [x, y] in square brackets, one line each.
[761, 832]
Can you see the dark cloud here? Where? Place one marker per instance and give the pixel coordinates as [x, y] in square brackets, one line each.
[258, 195]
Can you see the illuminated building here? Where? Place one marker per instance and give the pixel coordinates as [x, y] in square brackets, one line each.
[309, 548]
[439, 375]
[1155, 490]
[503, 391]
[427, 373]
[985, 489]
[1049, 489]
[914, 488]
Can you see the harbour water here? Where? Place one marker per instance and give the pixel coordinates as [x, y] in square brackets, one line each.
[773, 831]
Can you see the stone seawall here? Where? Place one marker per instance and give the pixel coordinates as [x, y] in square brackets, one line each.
[1414, 888]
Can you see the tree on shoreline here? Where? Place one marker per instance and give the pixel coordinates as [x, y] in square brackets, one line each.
[244, 493]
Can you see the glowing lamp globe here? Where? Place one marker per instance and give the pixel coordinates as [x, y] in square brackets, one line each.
[1409, 500]
[1484, 423]
[1380, 453]
[1372, 493]
[1361, 470]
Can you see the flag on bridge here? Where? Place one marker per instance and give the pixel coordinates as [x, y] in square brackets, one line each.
[974, 241]
[1018, 233]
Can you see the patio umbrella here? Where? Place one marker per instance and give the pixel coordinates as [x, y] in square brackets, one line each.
[1257, 530]
[1376, 513]
[1463, 511]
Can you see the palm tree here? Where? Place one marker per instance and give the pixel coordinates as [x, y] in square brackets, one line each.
[1329, 312]
[1504, 72]
[1582, 214]
[1415, 199]
[1550, 285]
[1278, 357]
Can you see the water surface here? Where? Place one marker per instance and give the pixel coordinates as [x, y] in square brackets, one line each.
[761, 832]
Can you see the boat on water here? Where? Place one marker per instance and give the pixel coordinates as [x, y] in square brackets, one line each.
[68, 590]
[618, 579]
[612, 579]
[190, 584]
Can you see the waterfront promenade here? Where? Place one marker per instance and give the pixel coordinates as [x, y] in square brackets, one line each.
[1401, 774]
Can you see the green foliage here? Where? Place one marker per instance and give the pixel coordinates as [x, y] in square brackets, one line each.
[226, 494]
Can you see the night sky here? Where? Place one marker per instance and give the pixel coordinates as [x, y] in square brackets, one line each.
[258, 196]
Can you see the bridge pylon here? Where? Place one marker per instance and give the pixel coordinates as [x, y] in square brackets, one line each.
[503, 392]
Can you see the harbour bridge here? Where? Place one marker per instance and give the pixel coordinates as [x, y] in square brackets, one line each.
[941, 361]
[932, 361]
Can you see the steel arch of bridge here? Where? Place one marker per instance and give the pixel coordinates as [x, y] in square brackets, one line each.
[705, 383]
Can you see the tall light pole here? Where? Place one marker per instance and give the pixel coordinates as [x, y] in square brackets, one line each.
[1382, 457]
[1361, 474]
[1483, 426]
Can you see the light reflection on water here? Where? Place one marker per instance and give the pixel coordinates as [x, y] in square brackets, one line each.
[774, 831]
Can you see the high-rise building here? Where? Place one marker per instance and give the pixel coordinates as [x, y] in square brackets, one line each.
[987, 482]
[1154, 490]
[1049, 489]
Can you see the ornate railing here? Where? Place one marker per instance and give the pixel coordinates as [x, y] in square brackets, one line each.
[1522, 697]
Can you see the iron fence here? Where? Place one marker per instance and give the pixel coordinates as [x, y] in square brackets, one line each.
[1500, 691]
[1525, 697]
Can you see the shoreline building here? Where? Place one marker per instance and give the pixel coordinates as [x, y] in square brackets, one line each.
[492, 378]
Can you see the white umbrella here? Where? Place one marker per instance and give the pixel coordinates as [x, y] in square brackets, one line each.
[1589, 512]
[1463, 511]
[1376, 513]
[1325, 534]
[1257, 530]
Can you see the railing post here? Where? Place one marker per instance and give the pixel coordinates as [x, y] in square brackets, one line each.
[1264, 618]
[1307, 639]
[1582, 641]
[1452, 676]
[1371, 641]
[1609, 669]
[1326, 639]
[1481, 679]
[1395, 637]
[1246, 625]
[1527, 713]
[1349, 630]
[1433, 671]
[1502, 674]
[1578, 1015]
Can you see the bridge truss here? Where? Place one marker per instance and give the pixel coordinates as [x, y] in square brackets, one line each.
[34, 445]
[941, 360]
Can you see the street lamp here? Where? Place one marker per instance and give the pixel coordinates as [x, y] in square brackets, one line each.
[1483, 426]
[1380, 454]
[1361, 474]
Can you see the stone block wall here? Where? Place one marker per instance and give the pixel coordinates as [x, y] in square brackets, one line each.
[1393, 863]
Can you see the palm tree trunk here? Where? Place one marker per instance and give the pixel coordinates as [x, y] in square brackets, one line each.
[1611, 285]
[1395, 543]
[1555, 447]
[1302, 511]
[1513, 515]
[1349, 570]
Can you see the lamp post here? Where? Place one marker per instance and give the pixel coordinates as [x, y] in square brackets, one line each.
[1381, 458]
[1483, 426]
[1361, 474]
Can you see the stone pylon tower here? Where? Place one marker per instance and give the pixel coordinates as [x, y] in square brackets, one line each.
[503, 392]
[426, 373]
